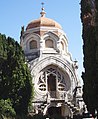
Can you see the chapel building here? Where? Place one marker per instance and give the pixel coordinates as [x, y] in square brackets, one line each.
[57, 89]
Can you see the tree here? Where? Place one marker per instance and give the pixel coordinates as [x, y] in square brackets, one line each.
[15, 77]
[6, 109]
[89, 18]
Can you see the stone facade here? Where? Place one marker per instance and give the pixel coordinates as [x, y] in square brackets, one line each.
[54, 74]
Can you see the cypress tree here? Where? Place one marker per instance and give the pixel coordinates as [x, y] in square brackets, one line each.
[15, 78]
[89, 18]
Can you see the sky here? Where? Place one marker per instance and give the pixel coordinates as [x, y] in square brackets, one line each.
[17, 13]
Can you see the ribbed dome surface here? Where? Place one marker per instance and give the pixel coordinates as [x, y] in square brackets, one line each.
[43, 21]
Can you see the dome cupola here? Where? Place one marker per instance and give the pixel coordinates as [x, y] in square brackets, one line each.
[43, 22]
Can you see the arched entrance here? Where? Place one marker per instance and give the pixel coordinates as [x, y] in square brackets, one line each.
[54, 111]
[61, 111]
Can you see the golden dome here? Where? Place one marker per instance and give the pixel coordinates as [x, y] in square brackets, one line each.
[43, 21]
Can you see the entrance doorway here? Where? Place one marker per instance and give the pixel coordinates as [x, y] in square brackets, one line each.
[54, 111]
[51, 83]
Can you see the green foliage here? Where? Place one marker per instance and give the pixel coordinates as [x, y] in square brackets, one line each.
[15, 78]
[6, 108]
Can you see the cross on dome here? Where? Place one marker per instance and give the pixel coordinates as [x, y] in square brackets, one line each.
[42, 4]
[42, 12]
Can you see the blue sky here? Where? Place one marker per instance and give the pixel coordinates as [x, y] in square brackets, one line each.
[16, 13]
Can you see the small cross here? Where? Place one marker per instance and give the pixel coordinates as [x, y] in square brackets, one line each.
[42, 4]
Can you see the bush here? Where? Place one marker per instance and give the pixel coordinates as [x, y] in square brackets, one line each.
[6, 108]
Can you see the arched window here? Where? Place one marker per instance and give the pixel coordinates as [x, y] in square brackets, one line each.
[33, 44]
[49, 43]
